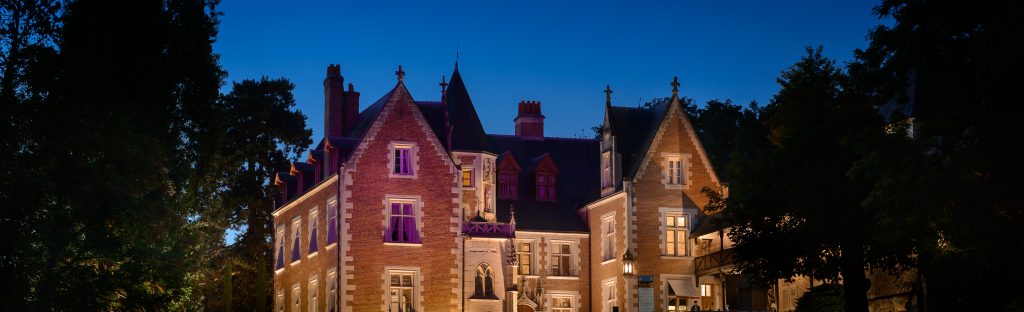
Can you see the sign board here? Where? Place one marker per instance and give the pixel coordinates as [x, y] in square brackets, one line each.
[646, 295]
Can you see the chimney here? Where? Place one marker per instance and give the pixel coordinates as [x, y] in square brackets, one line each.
[351, 109]
[530, 122]
[333, 102]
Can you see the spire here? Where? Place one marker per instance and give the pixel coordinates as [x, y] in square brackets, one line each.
[608, 95]
[400, 73]
[512, 214]
[444, 85]
[675, 85]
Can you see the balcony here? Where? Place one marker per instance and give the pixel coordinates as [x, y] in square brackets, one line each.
[563, 272]
[711, 263]
[489, 229]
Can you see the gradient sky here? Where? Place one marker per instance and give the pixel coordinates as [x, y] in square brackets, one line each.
[561, 53]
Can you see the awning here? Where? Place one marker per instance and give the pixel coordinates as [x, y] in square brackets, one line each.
[683, 288]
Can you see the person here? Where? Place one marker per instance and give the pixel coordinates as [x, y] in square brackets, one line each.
[695, 307]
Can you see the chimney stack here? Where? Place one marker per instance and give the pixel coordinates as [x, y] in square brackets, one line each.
[529, 122]
[334, 100]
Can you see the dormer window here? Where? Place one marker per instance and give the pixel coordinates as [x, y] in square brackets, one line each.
[606, 170]
[508, 177]
[545, 186]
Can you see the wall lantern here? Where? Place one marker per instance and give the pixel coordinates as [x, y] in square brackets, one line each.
[627, 263]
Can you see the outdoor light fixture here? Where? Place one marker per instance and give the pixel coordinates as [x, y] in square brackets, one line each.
[627, 263]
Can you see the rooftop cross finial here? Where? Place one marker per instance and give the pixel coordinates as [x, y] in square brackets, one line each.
[675, 85]
[443, 84]
[608, 94]
[400, 73]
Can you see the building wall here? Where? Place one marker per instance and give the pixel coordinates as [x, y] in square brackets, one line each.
[651, 197]
[435, 185]
[317, 264]
[603, 270]
[578, 286]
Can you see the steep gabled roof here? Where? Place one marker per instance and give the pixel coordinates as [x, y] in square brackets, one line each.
[578, 182]
[634, 128]
[467, 132]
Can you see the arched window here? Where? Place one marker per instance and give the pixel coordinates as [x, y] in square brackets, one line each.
[484, 283]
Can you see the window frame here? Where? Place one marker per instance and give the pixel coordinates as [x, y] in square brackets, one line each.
[508, 184]
[332, 224]
[546, 183]
[332, 290]
[281, 253]
[468, 169]
[313, 292]
[606, 170]
[414, 291]
[296, 243]
[314, 226]
[296, 297]
[555, 251]
[532, 254]
[608, 295]
[685, 228]
[608, 238]
[416, 215]
[395, 161]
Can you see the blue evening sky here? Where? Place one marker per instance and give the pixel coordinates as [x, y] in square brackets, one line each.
[561, 53]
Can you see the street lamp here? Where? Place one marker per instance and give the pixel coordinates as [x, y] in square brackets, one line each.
[627, 263]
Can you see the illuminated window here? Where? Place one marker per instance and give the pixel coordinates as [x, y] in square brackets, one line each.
[402, 225]
[524, 250]
[677, 304]
[403, 160]
[332, 222]
[314, 292]
[296, 300]
[675, 171]
[401, 291]
[279, 263]
[705, 290]
[296, 238]
[675, 234]
[608, 237]
[314, 223]
[561, 260]
[561, 304]
[332, 290]
[467, 177]
[608, 289]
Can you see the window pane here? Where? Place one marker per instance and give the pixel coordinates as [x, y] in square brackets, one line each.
[681, 221]
[670, 221]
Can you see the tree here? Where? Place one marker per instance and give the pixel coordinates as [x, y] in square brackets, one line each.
[794, 208]
[263, 133]
[952, 190]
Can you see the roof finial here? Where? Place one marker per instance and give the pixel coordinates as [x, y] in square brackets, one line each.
[512, 213]
[443, 84]
[608, 95]
[675, 85]
[400, 73]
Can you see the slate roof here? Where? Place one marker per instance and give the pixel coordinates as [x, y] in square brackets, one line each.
[634, 129]
[577, 182]
[467, 131]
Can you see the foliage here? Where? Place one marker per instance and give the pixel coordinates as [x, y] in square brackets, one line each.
[823, 298]
[123, 165]
[794, 208]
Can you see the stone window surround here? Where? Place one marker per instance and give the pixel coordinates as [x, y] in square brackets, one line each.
[687, 174]
[533, 255]
[574, 295]
[417, 207]
[413, 152]
[608, 298]
[662, 213]
[574, 257]
[605, 219]
[417, 286]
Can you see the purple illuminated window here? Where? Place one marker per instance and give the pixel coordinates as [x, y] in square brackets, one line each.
[280, 250]
[313, 227]
[507, 184]
[402, 225]
[332, 223]
[403, 161]
[295, 241]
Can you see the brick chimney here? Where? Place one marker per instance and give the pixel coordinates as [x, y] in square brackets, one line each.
[341, 107]
[530, 122]
[334, 101]
[351, 109]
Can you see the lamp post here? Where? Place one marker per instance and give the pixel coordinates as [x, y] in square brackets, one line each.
[628, 271]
